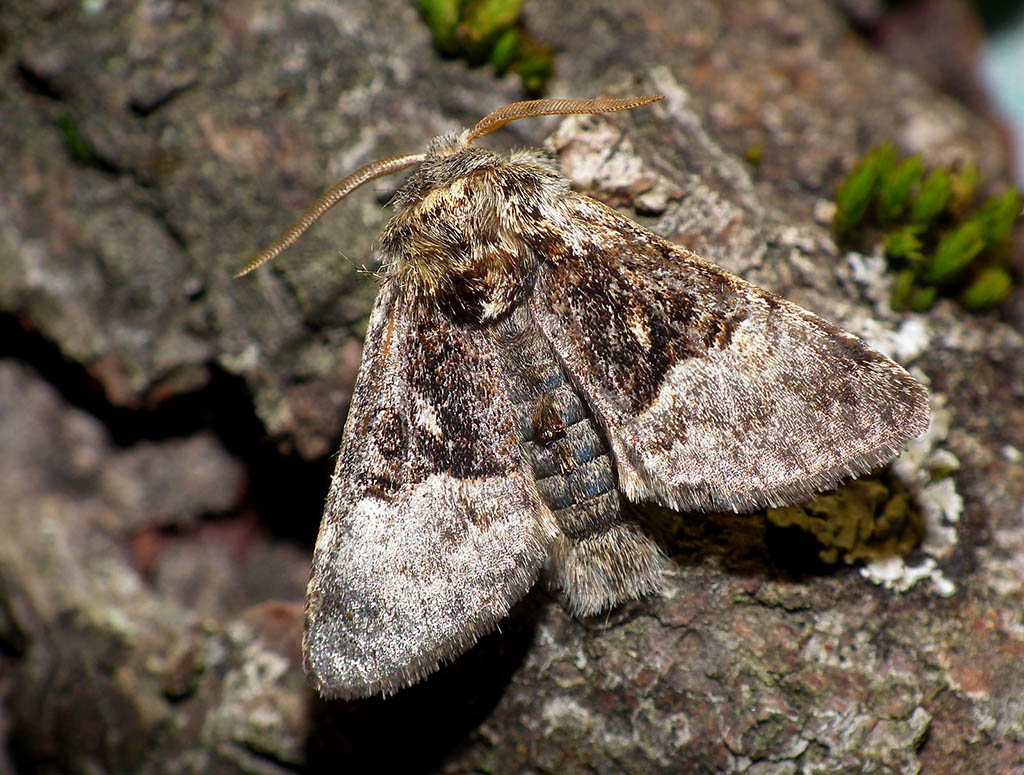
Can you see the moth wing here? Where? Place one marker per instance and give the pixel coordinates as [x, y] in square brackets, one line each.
[433, 526]
[714, 393]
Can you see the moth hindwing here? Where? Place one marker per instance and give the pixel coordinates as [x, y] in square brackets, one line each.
[535, 362]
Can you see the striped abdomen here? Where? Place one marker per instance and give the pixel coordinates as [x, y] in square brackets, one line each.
[601, 558]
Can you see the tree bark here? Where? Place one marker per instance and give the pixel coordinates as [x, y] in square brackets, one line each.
[150, 602]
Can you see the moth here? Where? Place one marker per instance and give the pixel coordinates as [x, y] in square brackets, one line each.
[535, 363]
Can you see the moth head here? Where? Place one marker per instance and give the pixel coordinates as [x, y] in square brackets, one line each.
[445, 144]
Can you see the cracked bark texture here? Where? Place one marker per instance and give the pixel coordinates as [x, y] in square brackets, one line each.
[150, 603]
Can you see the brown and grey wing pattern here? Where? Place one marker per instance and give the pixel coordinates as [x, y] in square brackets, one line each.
[715, 394]
[433, 525]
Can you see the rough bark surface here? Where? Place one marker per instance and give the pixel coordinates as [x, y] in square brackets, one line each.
[150, 602]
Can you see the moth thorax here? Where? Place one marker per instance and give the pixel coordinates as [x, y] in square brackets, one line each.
[479, 283]
[451, 250]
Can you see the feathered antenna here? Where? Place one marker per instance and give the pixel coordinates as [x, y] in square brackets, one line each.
[532, 108]
[486, 125]
[335, 194]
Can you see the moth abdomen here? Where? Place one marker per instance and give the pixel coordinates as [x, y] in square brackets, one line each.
[579, 445]
[562, 441]
[587, 481]
[600, 557]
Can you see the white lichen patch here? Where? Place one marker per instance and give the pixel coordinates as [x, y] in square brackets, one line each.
[925, 469]
[941, 506]
[925, 465]
[597, 157]
[563, 712]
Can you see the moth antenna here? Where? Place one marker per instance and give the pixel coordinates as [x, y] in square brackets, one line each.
[331, 197]
[531, 108]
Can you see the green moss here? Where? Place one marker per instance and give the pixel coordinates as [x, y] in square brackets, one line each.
[533, 64]
[856, 193]
[989, 288]
[932, 198]
[921, 299]
[896, 186]
[488, 31]
[963, 185]
[939, 242]
[482, 23]
[76, 143]
[997, 217]
[902, 288]
[862, 521]
[905, 244]
[954, 252]
[442, 17]
[506, 47]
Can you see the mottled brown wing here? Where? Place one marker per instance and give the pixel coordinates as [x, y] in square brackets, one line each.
[715, 394]
[433, 526]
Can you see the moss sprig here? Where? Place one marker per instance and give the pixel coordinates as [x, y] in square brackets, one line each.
[934, 234]
[489, 32]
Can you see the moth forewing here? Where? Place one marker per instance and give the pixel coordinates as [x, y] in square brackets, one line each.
[534, 362]
[433, 526]
[715, 394]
